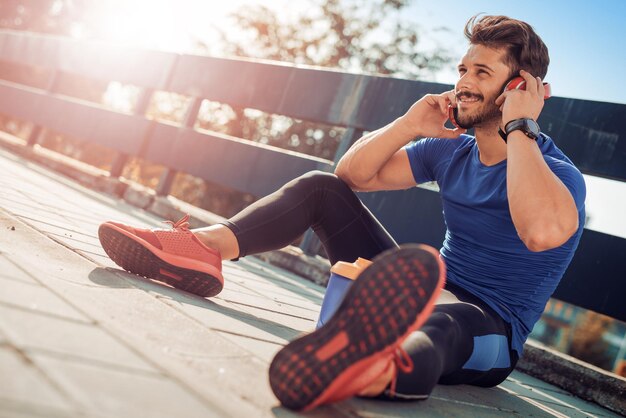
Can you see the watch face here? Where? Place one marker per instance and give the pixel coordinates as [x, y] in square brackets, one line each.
[533, 126]
[532, 130]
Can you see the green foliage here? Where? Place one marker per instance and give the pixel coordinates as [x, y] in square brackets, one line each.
[352, 35]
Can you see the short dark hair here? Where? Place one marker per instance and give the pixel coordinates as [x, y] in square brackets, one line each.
[525, 49]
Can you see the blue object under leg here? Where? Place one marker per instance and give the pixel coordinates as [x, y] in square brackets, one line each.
[335, 292]
[490, 352]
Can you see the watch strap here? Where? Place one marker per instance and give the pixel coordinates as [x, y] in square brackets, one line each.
[519, 124]
[502, 134]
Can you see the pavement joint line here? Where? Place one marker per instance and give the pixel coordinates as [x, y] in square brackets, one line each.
[87, 255]
[39, 312]
[458, 402]
[50, 174]
[281, 303]
[546, 398]
[71, 238]
[275, 276]
[237, 334]
[45, 234]
[53, 225]
[244, 284]
[36, 279]
[535, 389]
[276, 301]
[272, 311]
[15, 279]
[36, 205]
[238, 315]
[72, 184]
[294, 291]
[90, 361]
[549, 410]
[52, 382]
[184, 313]
[20, 268]
[542, 406]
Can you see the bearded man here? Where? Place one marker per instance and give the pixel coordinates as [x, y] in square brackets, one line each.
[514, 210]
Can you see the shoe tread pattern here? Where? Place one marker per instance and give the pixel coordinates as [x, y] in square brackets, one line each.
[382, 305]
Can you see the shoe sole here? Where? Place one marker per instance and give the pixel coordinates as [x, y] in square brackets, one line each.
[389, 300]
[139, 257]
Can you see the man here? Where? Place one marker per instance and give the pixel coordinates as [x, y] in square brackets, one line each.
[514, 209]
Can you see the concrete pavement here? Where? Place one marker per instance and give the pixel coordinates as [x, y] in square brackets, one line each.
[81, 338]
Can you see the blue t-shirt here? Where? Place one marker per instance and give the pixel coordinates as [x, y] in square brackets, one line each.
[482, 251]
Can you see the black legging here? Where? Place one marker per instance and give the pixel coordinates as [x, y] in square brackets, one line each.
[319, 200]
[440, 350]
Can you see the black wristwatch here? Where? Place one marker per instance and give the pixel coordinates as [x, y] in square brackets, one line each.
[526, 125]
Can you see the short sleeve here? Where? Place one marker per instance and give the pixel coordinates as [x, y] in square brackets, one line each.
[427, 155]
[571, 178]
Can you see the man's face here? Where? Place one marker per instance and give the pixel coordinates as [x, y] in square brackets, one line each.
[483, 74]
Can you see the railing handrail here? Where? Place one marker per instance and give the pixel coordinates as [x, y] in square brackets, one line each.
[588, 131]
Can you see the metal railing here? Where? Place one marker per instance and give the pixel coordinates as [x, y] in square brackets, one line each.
[590, 133]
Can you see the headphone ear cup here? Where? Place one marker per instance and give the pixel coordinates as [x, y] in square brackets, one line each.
[518, 83]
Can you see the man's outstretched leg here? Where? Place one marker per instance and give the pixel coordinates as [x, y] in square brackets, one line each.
[191, 260]
[362, 341]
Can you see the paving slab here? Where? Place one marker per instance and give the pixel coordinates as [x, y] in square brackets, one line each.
[11, 271]
[28, 390]
[110, 392]
[88, 339]
[38, 332]
[36, 298]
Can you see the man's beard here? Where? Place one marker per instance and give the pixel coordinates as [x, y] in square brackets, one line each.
[486, 114]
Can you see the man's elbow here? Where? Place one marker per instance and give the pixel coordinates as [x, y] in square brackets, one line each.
[350, 179]
[549, 237]
[343, 175]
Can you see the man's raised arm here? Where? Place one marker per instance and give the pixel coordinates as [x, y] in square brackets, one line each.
[542, 208]
[377, 160]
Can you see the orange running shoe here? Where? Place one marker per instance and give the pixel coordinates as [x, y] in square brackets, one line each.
[392, 298]
[176, 257]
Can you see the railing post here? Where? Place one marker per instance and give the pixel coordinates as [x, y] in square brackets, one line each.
[310, 243]
[167, 178]
[36, 132]
[143, 102]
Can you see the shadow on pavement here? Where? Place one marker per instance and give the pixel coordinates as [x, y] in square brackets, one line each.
[120, 279]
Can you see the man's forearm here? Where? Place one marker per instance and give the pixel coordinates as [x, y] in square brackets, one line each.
[542, 208]
[369, 154]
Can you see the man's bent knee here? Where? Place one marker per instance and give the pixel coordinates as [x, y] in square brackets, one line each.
[318, 179]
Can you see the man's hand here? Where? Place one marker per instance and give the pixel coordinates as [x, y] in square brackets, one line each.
[518, 104]
[427, 117]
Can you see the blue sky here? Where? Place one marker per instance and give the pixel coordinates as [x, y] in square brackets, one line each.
[585, 39]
